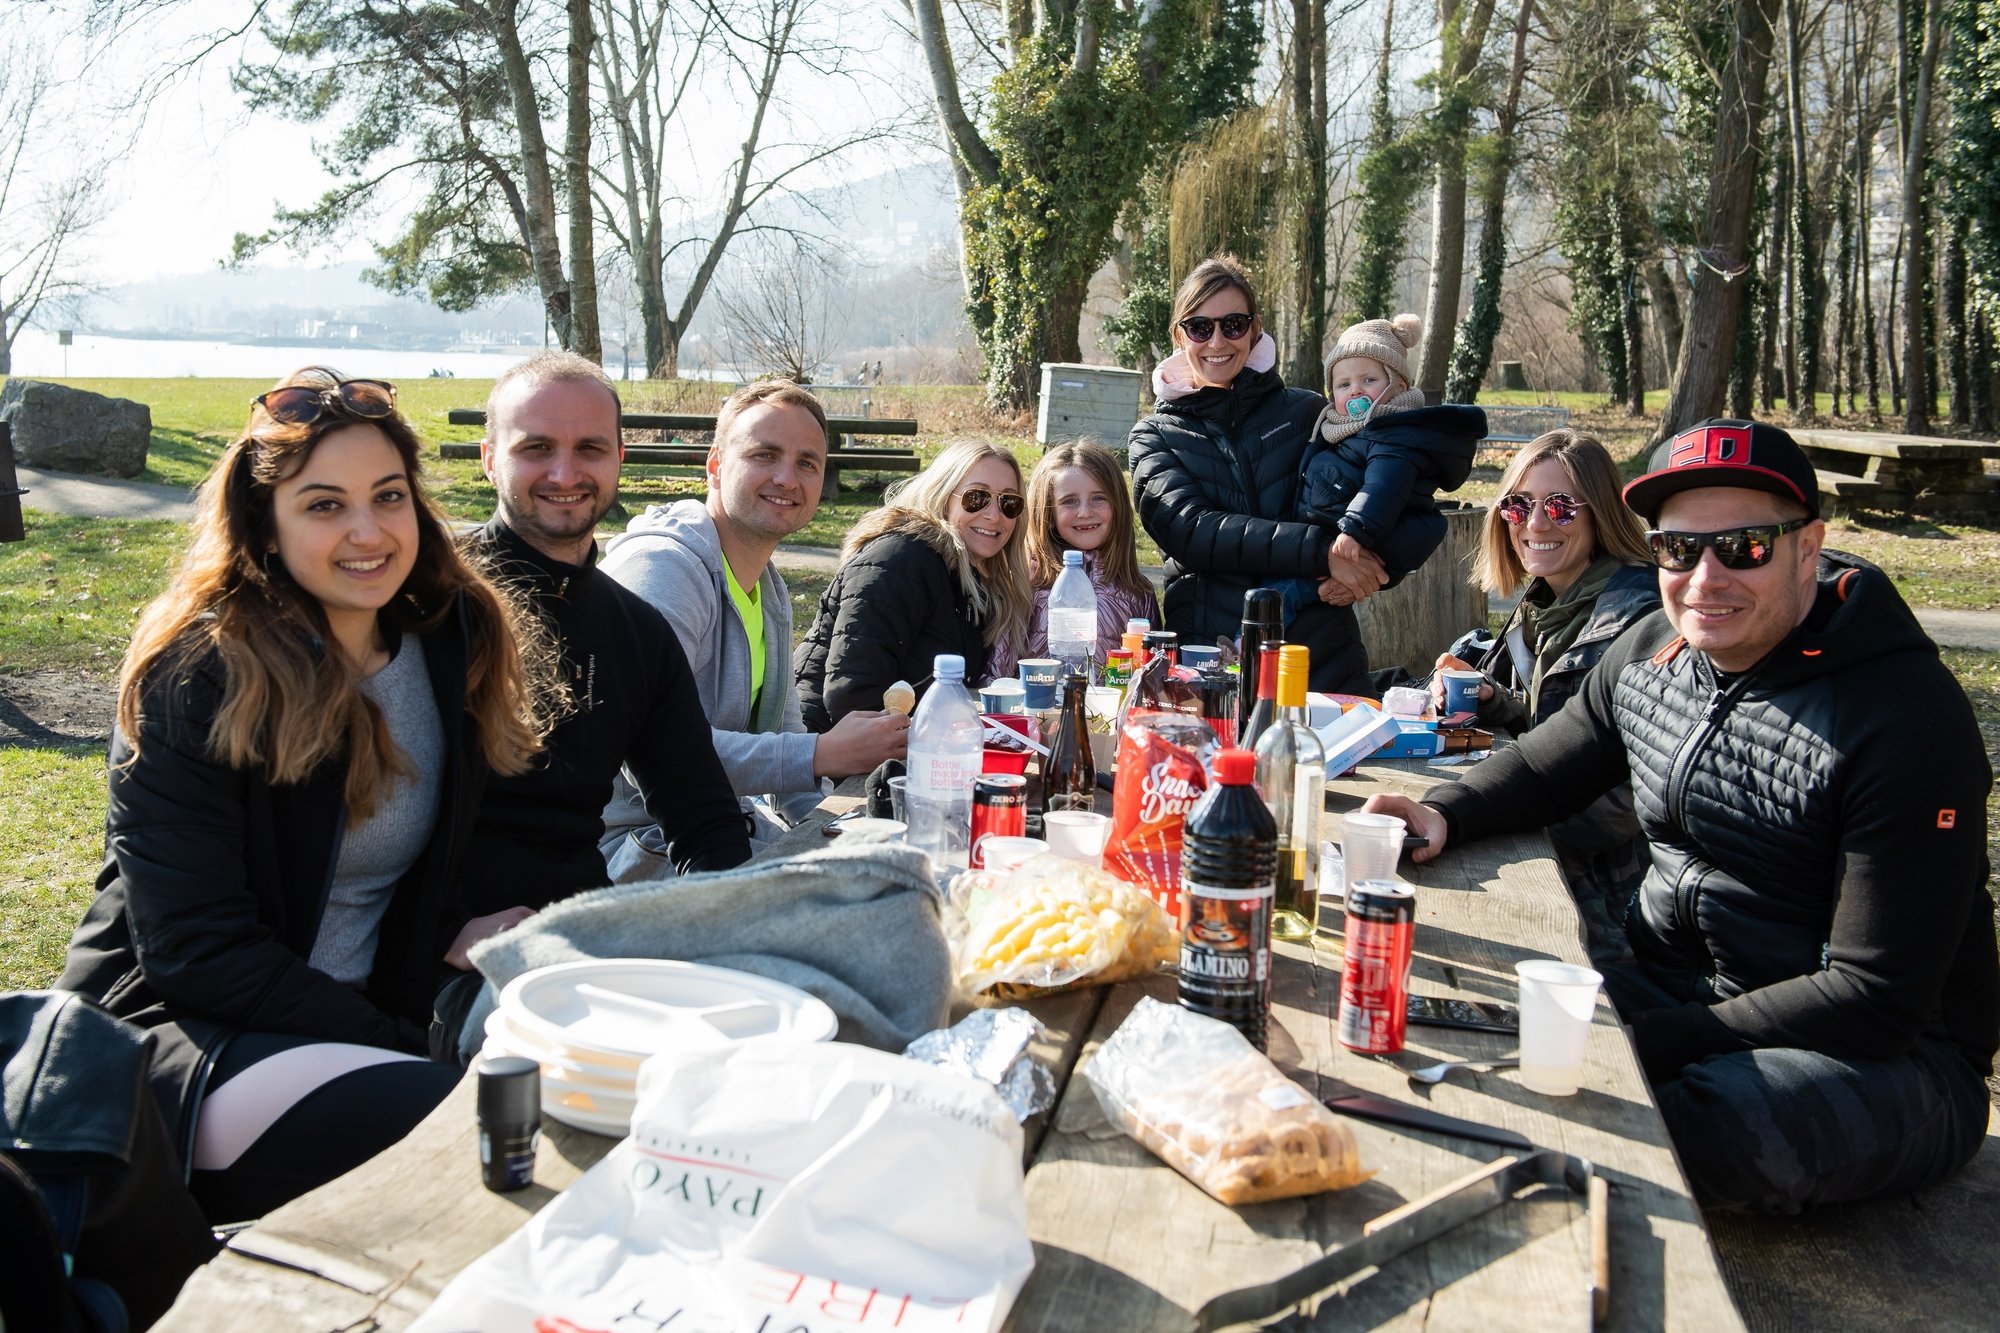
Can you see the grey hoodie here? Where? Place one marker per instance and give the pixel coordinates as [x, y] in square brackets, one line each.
[670, 556]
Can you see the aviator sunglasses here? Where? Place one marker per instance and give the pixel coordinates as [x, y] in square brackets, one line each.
[1200, 328]
[976, 498]
[1561, 508]
[303, 404]
[1735, 548]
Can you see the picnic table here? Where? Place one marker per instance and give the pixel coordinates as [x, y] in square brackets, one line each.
[1121, 1240]
[841, 451]
[1901, 472]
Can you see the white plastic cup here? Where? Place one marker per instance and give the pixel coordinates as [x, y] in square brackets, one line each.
[1005, 854]
[866, 829]
[1370, 846]
[1005, 695]
[1461, 691]
[1100, 703]
[1077, 835]
[1557, 1001]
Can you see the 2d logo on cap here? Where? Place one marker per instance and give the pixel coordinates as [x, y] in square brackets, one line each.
[1711, 446]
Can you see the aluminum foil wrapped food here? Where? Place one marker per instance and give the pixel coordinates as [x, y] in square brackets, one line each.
[994, 1045]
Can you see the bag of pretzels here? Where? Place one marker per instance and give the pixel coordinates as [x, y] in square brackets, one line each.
[1214, 1108]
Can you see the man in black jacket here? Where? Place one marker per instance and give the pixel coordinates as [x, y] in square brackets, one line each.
[1814, 993]
[552, 451]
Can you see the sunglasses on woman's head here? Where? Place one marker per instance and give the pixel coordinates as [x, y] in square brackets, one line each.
[1735, 548]
[1200, 328]
[976, 498]
[1561, 509]
[303, 404]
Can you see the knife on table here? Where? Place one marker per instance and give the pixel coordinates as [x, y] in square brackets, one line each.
[1345, 1101]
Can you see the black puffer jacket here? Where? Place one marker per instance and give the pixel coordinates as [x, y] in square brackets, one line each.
[1215, 476]
[1817, 829]
[896, 603]
[215, 879]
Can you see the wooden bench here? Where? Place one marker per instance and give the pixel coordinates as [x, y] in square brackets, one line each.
[1843, 491]
[11, 527]
[1906, 471]
[838, 430]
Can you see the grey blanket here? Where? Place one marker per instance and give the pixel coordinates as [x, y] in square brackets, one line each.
[856, 925]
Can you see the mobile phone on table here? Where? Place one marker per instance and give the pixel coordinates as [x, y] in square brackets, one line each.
[1476, 1015]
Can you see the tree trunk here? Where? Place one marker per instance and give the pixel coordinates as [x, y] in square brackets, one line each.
[1383, 210]
[1715, 306]
[1464, 39]
[1306, 340]
[1635, 341]
[1889, 356]
[1866, 337]
[1957, 353]
[544, 247]
[1773, 361]
[585, 338]
[1807, 314]
[1918, 392]
[1666, 311]
[1979, 386]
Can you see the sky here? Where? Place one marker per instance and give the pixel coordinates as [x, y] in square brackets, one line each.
[202, 169]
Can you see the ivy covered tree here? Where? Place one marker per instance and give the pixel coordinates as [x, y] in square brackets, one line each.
[1971, 77]
[1607, 151]
[1493, 162]
[1390, 175]
[1088, 95]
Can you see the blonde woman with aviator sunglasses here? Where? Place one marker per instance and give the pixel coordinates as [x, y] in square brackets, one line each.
[940, 568]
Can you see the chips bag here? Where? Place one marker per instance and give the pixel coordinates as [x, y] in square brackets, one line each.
[1162, 771]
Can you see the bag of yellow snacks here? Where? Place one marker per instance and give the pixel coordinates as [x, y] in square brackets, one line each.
[1053, 923]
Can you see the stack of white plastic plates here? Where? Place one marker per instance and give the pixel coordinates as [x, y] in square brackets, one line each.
[591, 1024]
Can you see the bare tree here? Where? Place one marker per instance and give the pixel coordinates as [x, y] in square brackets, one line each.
[1917, 70]
[782, 308]
[1463, 28]
[45, 216]
[651, 58]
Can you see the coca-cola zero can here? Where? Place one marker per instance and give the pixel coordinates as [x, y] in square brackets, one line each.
[1375, 978]
[999, 810]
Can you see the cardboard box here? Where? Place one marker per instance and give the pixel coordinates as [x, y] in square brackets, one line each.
[1353, 736]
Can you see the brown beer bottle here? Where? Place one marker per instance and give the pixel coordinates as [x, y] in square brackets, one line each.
[1069, 776]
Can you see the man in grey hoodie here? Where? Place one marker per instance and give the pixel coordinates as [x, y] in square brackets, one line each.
[706, 564]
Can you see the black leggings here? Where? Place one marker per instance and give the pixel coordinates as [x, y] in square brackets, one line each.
[300, 1113]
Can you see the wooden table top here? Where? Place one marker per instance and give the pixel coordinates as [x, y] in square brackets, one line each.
[1121, 1240]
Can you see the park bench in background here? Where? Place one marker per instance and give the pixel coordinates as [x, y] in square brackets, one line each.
[1508, 426]
[839, 432]
[11, 529]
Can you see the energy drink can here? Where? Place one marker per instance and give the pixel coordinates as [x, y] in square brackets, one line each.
[1375, 979]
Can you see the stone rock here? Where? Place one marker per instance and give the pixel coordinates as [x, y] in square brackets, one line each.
[70, 430]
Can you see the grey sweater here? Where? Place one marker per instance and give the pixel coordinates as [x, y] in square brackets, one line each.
[670, 556]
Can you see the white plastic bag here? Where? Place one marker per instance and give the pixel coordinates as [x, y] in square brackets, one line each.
[767, 1187]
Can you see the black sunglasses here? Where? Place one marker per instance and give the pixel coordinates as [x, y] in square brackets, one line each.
[1735, 548]
[303, 404]
[1200, 328]
[976, 498]
[1560, 507]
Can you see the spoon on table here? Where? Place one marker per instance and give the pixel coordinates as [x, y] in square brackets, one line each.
[1437, 1073]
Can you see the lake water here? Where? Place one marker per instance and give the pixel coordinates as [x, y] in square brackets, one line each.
[94, 355]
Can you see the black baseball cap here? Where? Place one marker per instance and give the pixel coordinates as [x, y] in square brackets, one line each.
[1726, 452]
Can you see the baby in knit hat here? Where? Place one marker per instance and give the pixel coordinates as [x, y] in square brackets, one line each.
[1379, 456]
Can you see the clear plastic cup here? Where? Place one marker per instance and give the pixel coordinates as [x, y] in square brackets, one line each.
[1077, 835]
[1557, 1001]
[899, 795]
[1370, 846]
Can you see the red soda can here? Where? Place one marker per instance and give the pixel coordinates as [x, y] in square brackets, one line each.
[999, 810]
[1375, 979]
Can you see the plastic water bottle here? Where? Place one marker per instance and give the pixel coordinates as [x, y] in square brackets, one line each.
[945, 752]
[1073, 617]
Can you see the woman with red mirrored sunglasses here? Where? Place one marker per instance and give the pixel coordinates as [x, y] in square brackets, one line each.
[941, 567]
[1561, 537]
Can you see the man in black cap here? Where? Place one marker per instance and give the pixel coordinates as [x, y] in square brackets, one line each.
[1814, 992]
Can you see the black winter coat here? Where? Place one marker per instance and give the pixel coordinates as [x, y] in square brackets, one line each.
[633, 705]
[1630, 595]
[1215, 476]
[215, 879]
[1384, 475]
[1817, 828]
[894, 605]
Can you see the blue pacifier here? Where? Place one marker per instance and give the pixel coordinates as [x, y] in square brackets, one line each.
[1358, 405]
